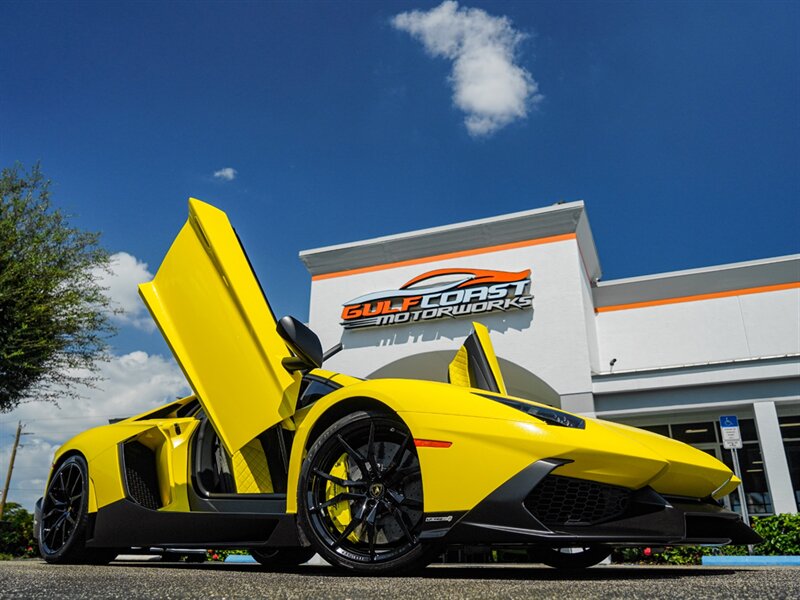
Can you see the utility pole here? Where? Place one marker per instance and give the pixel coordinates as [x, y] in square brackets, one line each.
[10, 468]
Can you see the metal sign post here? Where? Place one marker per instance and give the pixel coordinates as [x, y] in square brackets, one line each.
[732, 440]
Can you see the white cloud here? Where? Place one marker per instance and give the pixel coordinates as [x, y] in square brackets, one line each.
[125, 273]
[226, 174]
[488, 87]
[133, 383]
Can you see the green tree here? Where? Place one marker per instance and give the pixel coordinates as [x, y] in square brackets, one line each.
[54, 315]
[16, 531]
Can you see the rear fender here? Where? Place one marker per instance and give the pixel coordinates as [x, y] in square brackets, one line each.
[99, 447]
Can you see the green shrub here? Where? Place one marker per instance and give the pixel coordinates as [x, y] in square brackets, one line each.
[781, 535]
[16, 531]
[221, 555]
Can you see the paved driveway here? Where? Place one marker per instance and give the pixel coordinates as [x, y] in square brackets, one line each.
[35, 579]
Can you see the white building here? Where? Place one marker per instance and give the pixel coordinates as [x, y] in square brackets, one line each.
[670, 352]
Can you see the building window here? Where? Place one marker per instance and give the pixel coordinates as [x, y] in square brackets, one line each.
[790, 432]
[695, 433]
[754, 480]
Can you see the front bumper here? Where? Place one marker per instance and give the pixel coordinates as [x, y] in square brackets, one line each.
[536, 507]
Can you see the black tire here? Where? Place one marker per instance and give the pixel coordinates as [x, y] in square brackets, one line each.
[571, 558]
[379, 502]
[65, 516]
[283, 558]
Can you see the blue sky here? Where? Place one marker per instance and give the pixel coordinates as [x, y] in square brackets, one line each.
[677, 123]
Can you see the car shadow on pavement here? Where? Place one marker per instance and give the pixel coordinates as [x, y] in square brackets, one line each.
[508, 572]
[542, 573]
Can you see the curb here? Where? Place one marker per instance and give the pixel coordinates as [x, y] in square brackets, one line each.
[751, 561]
[316, 560]
[708, 561]
[240, 558]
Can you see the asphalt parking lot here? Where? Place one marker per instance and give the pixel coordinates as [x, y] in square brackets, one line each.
[35, 579]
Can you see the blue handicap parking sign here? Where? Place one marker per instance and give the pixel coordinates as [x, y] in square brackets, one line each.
[729, 421]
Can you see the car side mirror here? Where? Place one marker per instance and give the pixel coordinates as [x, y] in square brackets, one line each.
[303, 342]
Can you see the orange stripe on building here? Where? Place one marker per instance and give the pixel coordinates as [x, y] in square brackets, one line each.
[729, 293]
[460, 254]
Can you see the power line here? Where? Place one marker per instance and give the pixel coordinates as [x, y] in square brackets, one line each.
[11, 468]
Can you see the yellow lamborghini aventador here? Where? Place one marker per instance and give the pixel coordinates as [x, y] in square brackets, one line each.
[277, 455]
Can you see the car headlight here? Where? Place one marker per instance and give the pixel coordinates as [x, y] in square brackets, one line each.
[551, 416]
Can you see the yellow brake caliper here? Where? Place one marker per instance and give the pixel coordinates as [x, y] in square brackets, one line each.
[340, 512]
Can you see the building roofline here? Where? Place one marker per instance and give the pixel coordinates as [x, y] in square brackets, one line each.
[698, 270]
[442, 228]
[492, 232]
[747, 276]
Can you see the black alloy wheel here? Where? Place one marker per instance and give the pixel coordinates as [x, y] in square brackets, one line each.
[65, 516]
[360, 496]
[579, 557]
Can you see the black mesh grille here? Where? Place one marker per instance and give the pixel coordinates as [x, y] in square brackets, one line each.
[567, 501]
[140, 475]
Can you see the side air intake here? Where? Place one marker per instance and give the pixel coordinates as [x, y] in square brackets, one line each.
[574, 502]
[141, 477]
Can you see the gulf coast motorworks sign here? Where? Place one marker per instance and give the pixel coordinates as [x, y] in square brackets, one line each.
[441, 293]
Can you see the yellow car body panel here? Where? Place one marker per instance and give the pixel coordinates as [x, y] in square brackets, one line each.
[461, 372]
[168, 437]
[99, 447]
[733, 483]
[492, 442]
[234, 367]
[691, 473]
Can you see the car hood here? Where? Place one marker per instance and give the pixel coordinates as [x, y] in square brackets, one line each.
[596, 449]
